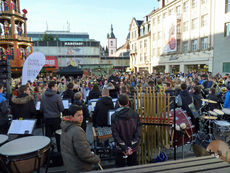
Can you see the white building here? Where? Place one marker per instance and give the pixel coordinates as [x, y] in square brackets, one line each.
[181, 37]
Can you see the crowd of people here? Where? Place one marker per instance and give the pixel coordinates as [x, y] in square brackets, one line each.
[49, 91]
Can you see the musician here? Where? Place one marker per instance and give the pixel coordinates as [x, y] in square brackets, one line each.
[4, 110]
[103, 105]
[227, 99]
[75, 149]
[212, 96]
[69, 94]
[78, 100]
[51, 107]
[23, 105]
[186, 99]
[197, 96]
[125, 125]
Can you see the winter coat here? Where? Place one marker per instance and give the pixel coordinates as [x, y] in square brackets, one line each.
[75, 149]
[2, 97]
[186, 100]
[23, 106]
[51, 104]
[68, 94]
[197, 100]
[125, 125]
[227, 100]
[85, 112]
[100, 115]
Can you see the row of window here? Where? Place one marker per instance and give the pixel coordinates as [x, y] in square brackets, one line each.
[178, 9]
[227, 6]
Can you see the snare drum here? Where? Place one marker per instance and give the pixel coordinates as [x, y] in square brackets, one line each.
[22, 155]
[182, 117]
[3, 139]
[221, 130]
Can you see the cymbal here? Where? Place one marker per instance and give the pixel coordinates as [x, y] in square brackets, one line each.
[213, 113]
[199, 150]
[220, 148]
[219, 112]
[209, 117]
[208, 101]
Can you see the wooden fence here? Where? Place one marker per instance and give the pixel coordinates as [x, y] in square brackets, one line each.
[153, 109]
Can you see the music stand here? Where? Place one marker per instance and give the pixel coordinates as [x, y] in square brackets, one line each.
[22, 127]
[110, 113]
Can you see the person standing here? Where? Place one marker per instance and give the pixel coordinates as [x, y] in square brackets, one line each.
[103, 105]
[126, 126]
[23, 105]
[227, 99]
[79, 101]
[69, 94]
[75, 149]
[51, 107]
[4, 110]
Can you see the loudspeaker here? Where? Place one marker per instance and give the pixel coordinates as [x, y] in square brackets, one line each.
[5, 76]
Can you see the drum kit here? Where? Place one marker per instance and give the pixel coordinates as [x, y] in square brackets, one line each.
[214, 133]
[25, 154]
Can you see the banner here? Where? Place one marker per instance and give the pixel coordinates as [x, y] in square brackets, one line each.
[32, 67]
[51, 61]
[170, 43]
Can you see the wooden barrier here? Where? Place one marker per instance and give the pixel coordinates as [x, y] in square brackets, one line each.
[153, 109]
[205, 164]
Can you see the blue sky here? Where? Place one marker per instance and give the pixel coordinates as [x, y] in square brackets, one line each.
[91, 16]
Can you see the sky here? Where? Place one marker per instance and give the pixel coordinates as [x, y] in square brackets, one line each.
[92, 16]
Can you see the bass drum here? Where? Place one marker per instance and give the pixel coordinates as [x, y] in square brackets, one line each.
[182, 117]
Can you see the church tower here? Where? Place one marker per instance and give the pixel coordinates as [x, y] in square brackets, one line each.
[112, 43]
[15, 46]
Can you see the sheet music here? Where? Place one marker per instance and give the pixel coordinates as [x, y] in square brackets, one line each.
[110, 113]
[66, 104]
[38, 105]
[21, 126]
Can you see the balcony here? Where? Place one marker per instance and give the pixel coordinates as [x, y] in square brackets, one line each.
[15, 37]
[10, 12]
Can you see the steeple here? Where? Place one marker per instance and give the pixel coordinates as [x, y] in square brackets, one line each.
[112, 34]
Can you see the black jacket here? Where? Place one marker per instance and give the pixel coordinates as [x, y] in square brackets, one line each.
[100, 115]
[186, 100]
[197, 100]
[125, 128]
[213, 105]
[94, 95]
[85, 112]
[23, 106]
[68, 94]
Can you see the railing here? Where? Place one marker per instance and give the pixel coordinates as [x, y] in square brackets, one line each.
[17, 37]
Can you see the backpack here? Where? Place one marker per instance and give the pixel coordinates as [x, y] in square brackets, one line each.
[4, 108]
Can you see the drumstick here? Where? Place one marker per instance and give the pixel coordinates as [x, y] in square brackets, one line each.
[100, 166]
[187, 133]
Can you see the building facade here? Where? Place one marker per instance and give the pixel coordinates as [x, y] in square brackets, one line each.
[181, 37]
[222, 37]
[140, 44]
